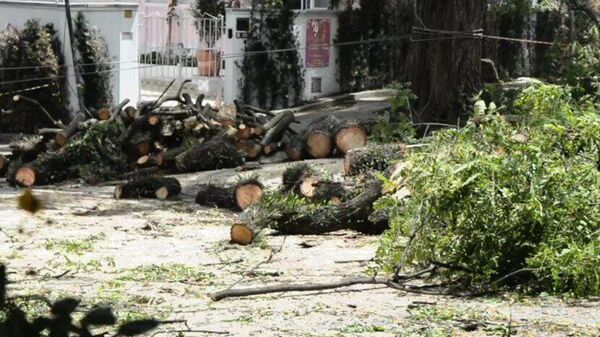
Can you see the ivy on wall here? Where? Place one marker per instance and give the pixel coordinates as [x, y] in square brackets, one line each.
[92, 54]
[272, 79]
[34, 57]
[376, 61]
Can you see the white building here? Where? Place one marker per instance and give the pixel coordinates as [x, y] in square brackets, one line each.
[148, 52]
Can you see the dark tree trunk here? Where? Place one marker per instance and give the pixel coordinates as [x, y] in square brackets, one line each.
[446, 72]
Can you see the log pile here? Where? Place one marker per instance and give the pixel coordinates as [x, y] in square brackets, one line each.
[311, 219]
[99, 145]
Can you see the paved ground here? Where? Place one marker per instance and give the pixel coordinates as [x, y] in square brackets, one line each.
[162, 259]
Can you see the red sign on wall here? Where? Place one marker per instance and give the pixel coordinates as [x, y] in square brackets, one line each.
[318, 36]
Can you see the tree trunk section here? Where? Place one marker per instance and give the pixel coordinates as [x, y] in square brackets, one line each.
[237, 197]
[150, 187]
[446, 72]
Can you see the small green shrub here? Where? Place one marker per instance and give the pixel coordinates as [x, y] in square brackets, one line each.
[393, 125]
[496, 197]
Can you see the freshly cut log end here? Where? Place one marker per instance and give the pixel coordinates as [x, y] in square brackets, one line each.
[318, 144]
[308, 186]
[236, 197]
[242, 234]
[148, 187]
[244, 132]
[104, 114]
[248, 148]
[293, 176]
[350, 138]
[171, 188]
[154, 120]
[26, 176]
[60, 139]
[247, 195]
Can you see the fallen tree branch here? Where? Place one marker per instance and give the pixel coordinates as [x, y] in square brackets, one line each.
[56, 123]
[395, 282]
[297, 287]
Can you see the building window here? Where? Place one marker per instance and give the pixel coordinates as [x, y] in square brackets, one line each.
[315, 85]
[242, 24]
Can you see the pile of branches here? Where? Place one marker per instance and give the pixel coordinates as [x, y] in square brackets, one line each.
[310, 202]
[507, 200]
[112, 142]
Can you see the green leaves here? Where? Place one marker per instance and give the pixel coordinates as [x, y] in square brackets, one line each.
[496, 197]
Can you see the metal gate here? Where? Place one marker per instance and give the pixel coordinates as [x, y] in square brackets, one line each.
[177, 45]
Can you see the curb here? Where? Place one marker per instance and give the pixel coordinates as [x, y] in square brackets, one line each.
[327, 102]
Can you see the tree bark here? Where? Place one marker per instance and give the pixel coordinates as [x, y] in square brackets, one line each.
[151, 187]
[446, 71]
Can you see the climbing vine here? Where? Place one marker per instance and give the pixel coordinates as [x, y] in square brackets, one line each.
[272, 79]
[374, 62]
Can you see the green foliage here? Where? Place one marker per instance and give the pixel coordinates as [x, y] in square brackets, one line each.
[578, 62]
[394, 126]
[36, 48]
[495, 197]
[272, 80]
[93, 57]
[97, 153]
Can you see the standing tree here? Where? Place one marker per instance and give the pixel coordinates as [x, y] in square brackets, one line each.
[93, 58]
[445, 68]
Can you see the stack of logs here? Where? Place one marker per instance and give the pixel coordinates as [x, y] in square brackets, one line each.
[193, 136]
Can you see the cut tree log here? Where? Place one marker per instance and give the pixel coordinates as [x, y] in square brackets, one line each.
[244, 132]
[276, 127]
[372, 158]
[237, 197]
[148, 187]
[295, 147]
[243, 234]
[48, 168]
[309, 220]
[319, 136]
[4, 163]
[103, 114]
[350, 136]
[217, 153]
[148, 160]
[128, 115]
[249, 148]
[317, 189]
[318, 144]
[70, 130]
[303, 180]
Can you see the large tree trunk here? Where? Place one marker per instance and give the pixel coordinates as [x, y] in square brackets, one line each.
[445, 72]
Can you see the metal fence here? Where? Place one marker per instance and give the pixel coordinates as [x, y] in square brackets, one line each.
[182, 47]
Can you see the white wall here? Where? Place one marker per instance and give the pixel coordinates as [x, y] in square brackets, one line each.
[235, 46]
[108, 18]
